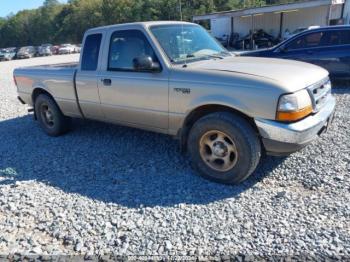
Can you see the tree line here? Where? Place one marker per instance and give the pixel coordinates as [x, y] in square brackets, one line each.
[54, 22]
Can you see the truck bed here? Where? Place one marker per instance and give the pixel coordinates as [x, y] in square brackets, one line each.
[57, 80]
[72, 65]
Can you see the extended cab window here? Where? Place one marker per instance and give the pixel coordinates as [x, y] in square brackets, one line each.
[125, 46]
[307, 41]
[91, 51]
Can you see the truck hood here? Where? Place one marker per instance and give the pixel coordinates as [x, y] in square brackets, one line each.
[291, 75]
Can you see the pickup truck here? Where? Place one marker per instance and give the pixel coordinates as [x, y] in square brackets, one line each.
[174, 78]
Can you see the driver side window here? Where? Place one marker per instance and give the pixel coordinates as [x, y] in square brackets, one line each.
[306, 41]
[125, 46]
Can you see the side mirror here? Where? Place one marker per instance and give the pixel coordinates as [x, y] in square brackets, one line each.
[145, 64]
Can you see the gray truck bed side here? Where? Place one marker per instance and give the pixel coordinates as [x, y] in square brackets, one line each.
[56, 80]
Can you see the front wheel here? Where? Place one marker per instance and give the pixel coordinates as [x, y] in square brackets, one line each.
[50, 117]
[224, 148]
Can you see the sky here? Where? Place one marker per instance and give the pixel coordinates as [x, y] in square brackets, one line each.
[13, 6]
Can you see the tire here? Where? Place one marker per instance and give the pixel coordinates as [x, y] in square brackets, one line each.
[235, 149]
[50, 117]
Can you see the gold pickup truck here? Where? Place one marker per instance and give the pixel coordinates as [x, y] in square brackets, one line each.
[174, 78]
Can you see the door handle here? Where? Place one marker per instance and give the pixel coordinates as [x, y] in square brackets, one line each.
[106, 81]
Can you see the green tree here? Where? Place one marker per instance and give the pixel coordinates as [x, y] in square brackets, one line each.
[59, 23]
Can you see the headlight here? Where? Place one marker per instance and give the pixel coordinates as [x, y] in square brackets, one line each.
[292, 107]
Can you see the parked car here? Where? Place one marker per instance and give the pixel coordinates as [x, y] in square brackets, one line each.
[37, 53]
[7, 54]
[77, 48]
[66, 49]
[55, 49]
[328, 47]
[15, 50]
[26, 52]
[225, 110]
[45, 50]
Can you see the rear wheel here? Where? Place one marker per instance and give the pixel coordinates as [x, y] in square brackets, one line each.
[224, 148]
[50, 117]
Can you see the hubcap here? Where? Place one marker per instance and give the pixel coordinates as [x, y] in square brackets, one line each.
[218, 150]
[47, 115]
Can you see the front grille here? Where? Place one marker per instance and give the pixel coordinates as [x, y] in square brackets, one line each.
[319, 93]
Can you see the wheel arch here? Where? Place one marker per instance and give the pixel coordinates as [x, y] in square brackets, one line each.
[38, 91]
[204, 110]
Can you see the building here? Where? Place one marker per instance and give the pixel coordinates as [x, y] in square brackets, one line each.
[277, 19]
[347, 12]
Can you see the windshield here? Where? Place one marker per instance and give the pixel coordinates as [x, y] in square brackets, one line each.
[184, 43]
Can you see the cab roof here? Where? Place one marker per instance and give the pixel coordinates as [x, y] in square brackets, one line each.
[137, 24]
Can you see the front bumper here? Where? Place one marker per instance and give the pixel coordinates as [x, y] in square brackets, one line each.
[285, 138]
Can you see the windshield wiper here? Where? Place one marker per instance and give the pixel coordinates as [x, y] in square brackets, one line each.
[205, 56]
[216, 56]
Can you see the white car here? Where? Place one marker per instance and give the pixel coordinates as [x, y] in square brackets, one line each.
[45, 50]
[66, 49]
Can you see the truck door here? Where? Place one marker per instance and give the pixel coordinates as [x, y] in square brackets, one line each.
[129, 96]
[86, 78]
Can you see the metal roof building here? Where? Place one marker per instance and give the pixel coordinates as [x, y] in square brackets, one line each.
[276, 19]
[346, 14]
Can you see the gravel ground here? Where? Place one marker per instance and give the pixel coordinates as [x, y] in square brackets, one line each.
[102, 190]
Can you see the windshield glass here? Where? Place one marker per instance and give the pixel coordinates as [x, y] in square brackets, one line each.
[24, 49]
[184, 43]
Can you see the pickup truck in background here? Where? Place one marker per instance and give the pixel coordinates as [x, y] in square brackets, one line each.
[174, 78]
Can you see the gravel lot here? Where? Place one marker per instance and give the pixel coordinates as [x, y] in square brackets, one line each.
[102, 190]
